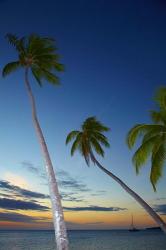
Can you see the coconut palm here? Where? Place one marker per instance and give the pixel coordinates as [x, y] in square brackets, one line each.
[38, 55]
[153, 140]
[90, 140]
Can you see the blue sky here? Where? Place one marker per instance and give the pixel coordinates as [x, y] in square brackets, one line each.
[115, 58]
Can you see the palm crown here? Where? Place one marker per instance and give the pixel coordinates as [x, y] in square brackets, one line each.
[153, 144]
[89, 138]
[36, 53]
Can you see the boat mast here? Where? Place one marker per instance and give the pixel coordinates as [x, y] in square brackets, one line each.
[132, 224]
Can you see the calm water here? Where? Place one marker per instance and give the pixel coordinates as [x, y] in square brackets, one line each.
[81, 240]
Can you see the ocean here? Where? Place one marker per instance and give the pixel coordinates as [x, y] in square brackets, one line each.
[85, 240]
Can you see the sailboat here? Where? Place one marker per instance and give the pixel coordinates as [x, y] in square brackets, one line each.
[133, 229]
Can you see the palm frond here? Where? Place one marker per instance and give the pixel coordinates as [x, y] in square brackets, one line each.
[76, 144]
[85, 150]
[50, 77]
[59, 67]
[101, 138]
[143, 152]
[39, 46]
[43, 74]
[160, 97]
[10, 67]
[37, 74]
[156, 130]
[156, 116]
[153, 144]
[92, 123]
[97, 147]
[39, 54]
[134, 133]
[13, 39]
[157, 163]
[71, 136]
[88, 139]
[18, 43]
[138, 131]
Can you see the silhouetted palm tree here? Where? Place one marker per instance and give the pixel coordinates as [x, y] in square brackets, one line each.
[90, 139]
[38, 55]
[153, 143]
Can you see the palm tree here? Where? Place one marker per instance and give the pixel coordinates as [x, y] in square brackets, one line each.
[153, 142]
[91, 139]
[38, 55]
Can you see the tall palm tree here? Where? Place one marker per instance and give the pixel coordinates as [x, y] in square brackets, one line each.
[91, 139]
[39, 55]
[153, 140]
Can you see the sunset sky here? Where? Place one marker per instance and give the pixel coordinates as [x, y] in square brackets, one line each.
[114, 54]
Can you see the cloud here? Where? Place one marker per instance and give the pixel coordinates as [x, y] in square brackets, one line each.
[99, 193]
[63, 177]
[160, 209]
[73, 184]
[30, 167]
[71, 196]
[62, 174]
[75, 199]
[16, 217]
[95, 208]
[70, 188]
[8, 191]
[34, 170]
[6, 186]
[12, 204]
[66, 181]
[160, 199]
[5, 195]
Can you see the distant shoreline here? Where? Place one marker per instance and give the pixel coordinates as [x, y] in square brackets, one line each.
[141, 229]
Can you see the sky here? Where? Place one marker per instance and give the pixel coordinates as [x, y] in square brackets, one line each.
[115, 57]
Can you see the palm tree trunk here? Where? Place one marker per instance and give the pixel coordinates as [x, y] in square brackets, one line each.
[58, 218]
[149, 210]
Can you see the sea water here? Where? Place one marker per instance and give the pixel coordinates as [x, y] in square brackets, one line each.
[85, 240]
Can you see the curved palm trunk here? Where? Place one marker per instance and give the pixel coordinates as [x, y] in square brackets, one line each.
[149, 210]
[58, 218]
